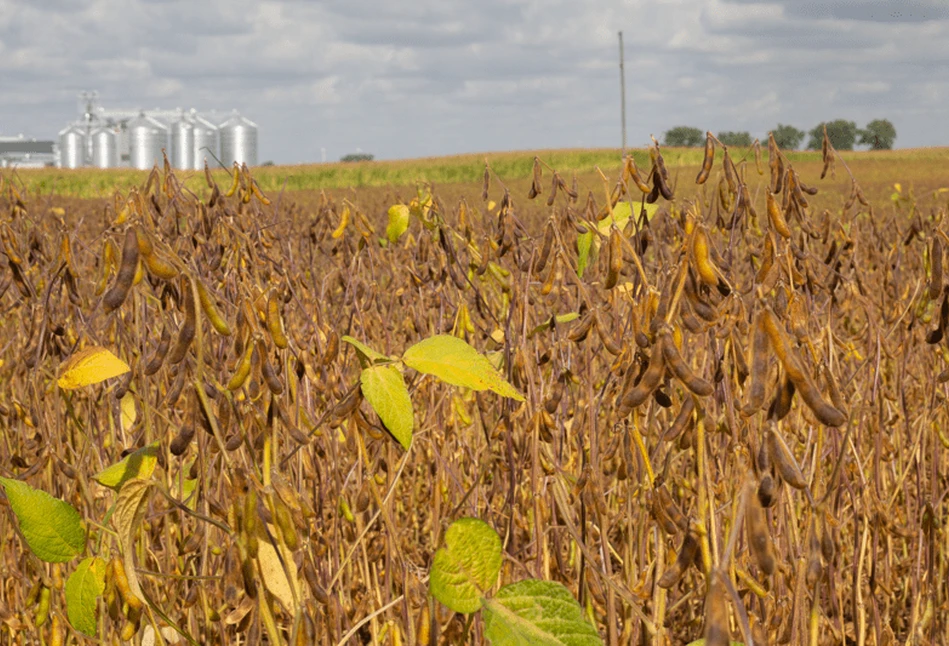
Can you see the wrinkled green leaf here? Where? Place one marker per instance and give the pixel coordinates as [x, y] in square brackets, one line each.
[398, 222]
[367, 356]
[457, 363]
[139, 464]
[51, 527]
[83, 589]
[384, 389]
[540, 613]
[467, 567]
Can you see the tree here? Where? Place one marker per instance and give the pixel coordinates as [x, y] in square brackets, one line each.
[879, 135]
[842, 135]
[788, 137]
[684, 136]
[735, 138]
[357, 157]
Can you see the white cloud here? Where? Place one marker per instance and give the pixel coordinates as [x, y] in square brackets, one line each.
[443, 76]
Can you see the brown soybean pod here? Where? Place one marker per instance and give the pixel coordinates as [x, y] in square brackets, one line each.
[541, 260]
[267, 371]
[680, 368]
[243, 368]
[615, 259]
[210, 310]
[275, 322]
[759, 538]
[633, 173]
[708, 160]
[535, 183]
[180, 442]
[486, 182]
[776, 218]
[580, 331]
[935, 260]
[332, 348]
[612, 345]
[783, 459]
[554, 185]
[681, 422]
[686, 555]
[158, 358]
[759, 369]
[117, 294]
[187, 331]
[716, 611]
[703, 263]
[662, 499]
[650, 380]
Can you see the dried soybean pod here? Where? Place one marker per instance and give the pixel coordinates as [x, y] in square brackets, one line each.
[580, 331]
[781, 404]
[666, 507]
[776, 218]
[633, 172]
[555, 183]
[700, 254]
[235, 181]
[650, 380]
[275, 322]
[681, 422]
[187, 331]
[716, 611]
[662, 183]
[548, 285]
[332, 348]
[267, 371]
[536, 178]
[756, 147]
[145, 247]
[117, 294]
[767, 491]
[935, 262]
[616, 259]
[541, 260]
[158, 358]
[813, 569]
[784, 460]
[210, 310]
[708, 160]
[680, 368]
[243, 367]
[759, 536]
[759, 369]
[180, 442]
[686, 555]
[611, 344]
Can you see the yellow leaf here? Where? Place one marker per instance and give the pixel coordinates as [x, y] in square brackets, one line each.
[129, 412]
[282, 584]
[398, 222]
[491, 205]
[90, 366]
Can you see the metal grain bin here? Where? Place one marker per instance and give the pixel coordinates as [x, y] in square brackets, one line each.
[239, 141]
[147, 137]
[72, 147]
[205, 142]
[104, 149]
[182, 144]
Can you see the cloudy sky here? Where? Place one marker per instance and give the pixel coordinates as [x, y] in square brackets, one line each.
[432, 77]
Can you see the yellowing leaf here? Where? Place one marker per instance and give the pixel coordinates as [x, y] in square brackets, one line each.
[90, 366]
[139, 464]
[457, 363]
[398, 221]
[283, 584]
[467, 567]
[129, 412]
[384, 389]
[127, 518]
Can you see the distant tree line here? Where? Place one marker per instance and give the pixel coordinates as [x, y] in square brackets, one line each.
[879, 134]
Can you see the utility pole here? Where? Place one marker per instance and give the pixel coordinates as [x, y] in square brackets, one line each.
[622, 90]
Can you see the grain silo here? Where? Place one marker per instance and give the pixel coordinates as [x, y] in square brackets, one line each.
[72, 147]
[147, 137]
[205, 142]
[238, 141]
[182, 143]
[104, 148]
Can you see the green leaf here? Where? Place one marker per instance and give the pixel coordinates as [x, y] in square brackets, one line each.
[127, 518]
[457, 363]
[398, 222]
[467, 567]
[384, 389]
[367, 356]
[83, 588]
[51, 527]
[539, 613]
[139, 464]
